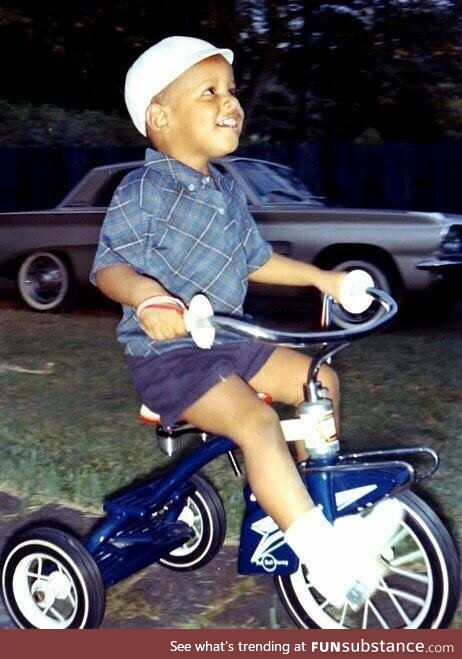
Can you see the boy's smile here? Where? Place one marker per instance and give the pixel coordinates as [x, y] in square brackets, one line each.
[203, 116]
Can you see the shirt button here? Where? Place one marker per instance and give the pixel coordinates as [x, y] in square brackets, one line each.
[191, 187]
[206, 180]
[221, 211]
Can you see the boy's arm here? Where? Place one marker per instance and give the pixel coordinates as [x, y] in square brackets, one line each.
[282, 270]
[123, 284]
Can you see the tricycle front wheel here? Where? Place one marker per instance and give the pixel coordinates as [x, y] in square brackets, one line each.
[420, 589]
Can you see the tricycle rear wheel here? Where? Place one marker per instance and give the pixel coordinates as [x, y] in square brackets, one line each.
[50, 581]
[205, 514]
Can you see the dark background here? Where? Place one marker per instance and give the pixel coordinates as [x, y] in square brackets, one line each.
[422, 177]
[363, 97]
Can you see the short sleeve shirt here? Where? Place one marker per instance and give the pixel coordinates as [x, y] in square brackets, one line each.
[192, 233]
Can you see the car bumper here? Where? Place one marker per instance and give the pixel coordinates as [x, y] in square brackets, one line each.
[447, 276]
[442, 266]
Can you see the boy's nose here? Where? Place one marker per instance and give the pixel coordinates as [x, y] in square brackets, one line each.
[232, 102]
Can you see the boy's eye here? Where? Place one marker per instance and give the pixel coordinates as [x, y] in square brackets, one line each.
[211, 91]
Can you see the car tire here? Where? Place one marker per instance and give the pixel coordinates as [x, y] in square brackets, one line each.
[383, 277]
[44, 281]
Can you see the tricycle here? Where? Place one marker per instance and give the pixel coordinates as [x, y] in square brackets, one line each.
[52, 580]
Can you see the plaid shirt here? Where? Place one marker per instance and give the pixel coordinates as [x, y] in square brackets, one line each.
[190, 232]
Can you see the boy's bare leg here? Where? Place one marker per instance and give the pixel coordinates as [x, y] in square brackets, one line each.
[232, 408]
[283, 377]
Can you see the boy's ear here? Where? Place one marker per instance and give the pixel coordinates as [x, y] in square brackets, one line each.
[157, 118]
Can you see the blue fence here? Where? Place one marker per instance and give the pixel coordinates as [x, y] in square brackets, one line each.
[406, 176]
[40, 177]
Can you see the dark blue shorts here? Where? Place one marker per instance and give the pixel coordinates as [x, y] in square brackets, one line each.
[170, 383]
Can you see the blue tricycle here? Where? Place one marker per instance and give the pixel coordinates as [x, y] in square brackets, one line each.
[52, 580]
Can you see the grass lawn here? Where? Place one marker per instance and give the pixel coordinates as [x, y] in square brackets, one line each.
[73, 436]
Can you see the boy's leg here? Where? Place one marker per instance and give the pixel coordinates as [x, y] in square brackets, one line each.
[232, 408]
[284, 374]
[288, 387]
[353, 547]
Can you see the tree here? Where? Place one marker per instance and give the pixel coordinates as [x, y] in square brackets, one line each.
[306, 69]
[75, 54]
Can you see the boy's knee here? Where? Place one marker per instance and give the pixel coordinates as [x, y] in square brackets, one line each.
[261, 423]
[330, 380]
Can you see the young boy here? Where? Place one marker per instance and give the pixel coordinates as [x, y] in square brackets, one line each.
[178, 227]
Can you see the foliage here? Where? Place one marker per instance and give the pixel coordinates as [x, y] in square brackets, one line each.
[392, 67]
[24, 124]
[75, 54]
[308, 70]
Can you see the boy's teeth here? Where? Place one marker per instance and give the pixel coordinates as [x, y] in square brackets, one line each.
[228, 122]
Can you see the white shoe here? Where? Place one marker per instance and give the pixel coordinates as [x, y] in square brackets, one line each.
[343, 559]
[372, 535]
[367, 538]
[375, 529]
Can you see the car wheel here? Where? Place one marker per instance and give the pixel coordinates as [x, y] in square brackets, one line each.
[383, 279]
[43, 281]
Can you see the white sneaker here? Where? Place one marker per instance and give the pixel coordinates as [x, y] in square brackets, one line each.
[343, 559]
[369, 537]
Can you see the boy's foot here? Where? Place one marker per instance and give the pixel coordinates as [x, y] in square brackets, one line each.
[343, 559]
[370, 537]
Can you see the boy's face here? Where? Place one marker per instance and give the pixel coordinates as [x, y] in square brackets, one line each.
[204, 116]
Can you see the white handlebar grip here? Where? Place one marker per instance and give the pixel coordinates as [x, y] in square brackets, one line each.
[197, 321]
[353, 296]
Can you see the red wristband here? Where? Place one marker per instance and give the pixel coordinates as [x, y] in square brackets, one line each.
[160, 300]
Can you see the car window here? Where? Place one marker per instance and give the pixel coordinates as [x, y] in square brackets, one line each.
[273, 183]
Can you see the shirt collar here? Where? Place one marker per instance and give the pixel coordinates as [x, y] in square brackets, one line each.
[188, 177]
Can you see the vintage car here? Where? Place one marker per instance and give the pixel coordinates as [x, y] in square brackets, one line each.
[49, 252]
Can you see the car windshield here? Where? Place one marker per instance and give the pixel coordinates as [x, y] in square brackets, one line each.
[274, 183]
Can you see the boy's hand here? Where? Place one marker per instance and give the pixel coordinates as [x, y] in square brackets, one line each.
[331, 283]
[162, 324]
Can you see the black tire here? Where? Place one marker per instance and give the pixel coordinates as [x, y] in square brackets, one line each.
[205, 513]
[44, 281]
[50, 581]
[384, 278]
[423, 571]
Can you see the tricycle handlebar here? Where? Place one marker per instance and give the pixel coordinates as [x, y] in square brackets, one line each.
[304, 339]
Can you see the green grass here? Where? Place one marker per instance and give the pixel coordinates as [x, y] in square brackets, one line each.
[73, 436]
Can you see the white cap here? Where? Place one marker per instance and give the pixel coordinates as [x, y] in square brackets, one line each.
[160, 65]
